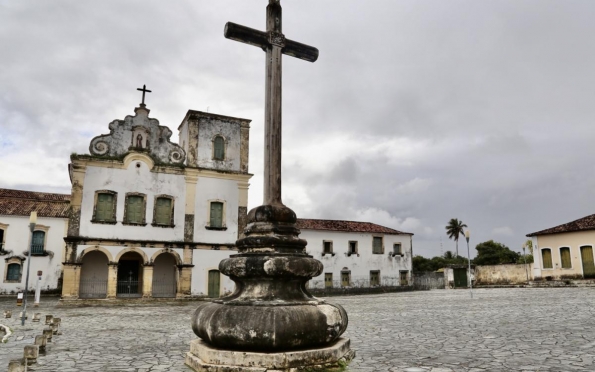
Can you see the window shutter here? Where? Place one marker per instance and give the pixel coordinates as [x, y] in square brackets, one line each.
[219, 144]
[105, 207]
[377, 245]
[565, 256]
[134, 209]
[163, 211]
[216, 214]
[37, 242]
[547, 258]
[14, 271]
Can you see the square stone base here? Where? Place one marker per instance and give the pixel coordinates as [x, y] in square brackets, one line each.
[206, 358]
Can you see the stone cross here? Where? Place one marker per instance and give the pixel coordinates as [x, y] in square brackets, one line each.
[144, 90]
[273, 42]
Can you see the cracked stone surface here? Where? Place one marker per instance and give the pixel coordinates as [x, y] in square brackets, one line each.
[519, 329]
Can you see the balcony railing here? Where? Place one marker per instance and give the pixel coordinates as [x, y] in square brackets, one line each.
[36, 249]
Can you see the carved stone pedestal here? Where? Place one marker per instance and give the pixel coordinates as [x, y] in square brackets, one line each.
[205, 358]
[270, 321]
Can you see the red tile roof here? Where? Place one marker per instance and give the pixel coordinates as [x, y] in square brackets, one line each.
[582, 224]
[347, 226]
[22, 203]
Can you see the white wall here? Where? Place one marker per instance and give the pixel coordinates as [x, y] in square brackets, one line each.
[133, 179]
[212, 189]
[203, 261]
[360, 267]
[17, 238]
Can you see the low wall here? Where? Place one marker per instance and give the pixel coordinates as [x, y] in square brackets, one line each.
[428, 280]
[503, 274]
[347, 291]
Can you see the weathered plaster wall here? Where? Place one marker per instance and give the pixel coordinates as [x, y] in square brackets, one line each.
[360, 267]
[205, 260]
[216, 189]
[136, 178]
[17, 240]
[574, 241]
[503, 274]
[207, 130]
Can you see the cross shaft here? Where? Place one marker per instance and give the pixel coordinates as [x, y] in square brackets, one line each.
[273, 42]
[144, 90]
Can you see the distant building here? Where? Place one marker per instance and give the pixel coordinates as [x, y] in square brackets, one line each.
[151, 218]
[48, 238]
[565, 251]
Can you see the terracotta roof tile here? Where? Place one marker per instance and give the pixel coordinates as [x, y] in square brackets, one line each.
[22, 203]
[347, 226]
[582, 224]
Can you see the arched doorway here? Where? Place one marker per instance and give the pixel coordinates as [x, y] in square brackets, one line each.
[94, 270]
[164, 276]
[214, 283]
[130, 275]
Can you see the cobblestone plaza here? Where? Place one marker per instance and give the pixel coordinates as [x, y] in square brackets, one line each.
[499, 330]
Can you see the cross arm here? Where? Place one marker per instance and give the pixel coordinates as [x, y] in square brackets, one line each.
[260, 39]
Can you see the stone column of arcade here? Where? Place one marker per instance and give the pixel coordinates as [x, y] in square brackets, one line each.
[270, 322]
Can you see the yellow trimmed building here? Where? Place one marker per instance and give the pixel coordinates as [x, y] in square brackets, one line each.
[565, 251]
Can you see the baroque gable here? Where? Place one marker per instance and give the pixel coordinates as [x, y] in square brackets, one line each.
[138, 133]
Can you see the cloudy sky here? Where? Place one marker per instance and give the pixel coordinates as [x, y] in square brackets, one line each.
[416, 111]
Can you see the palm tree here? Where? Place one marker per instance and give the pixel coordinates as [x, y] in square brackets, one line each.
[454, 229]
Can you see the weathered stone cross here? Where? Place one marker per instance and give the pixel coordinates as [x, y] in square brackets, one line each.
[274, 43]
[144, 90]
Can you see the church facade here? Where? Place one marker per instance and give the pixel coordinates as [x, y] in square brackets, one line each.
[149, 218]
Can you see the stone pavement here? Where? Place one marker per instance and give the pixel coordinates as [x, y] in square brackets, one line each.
[520, 329]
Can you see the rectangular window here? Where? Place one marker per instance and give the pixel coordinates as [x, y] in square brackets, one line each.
[135, 209]
[565, 257]
[328, 280]
[163, 211]
[403, 276]
[219, 151]
[546, 255]
[327, 246]
[1, 240]
[345, 278]
[105, 208]
[397, 248]
[14, 272]
[352, 247]
[216, 214]
[377, 245]
[374, 278]
[37, 242]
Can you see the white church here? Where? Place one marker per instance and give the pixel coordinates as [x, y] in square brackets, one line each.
[150, 218]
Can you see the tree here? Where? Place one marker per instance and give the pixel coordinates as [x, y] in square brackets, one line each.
[494, 253]
[527, 256]
[454, 229]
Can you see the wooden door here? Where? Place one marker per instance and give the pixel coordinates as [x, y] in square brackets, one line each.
[403, 277]
[588, 264]
[328, 280]
[460, 278]
[345, 279]
[214, 283]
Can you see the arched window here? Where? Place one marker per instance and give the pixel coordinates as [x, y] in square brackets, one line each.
[219, 148]
[37, 243]
[14, 272]
[565, 258]
[546, 256]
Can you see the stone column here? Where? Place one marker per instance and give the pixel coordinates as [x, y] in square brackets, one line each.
[112, 279]
[148, 281]
[184, 280]
[71, 281]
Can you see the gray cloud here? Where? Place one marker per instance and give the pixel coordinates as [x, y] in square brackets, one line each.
[416, 112]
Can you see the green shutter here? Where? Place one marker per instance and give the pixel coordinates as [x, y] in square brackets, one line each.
[565, 256]
[135, 211]
[163, 211]
[37, 242]
[216, 214]
[546, 255]
[377, 245]
[588, 264]
[105, 207]
[214, 283]
[14, 272]
[219, 144]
